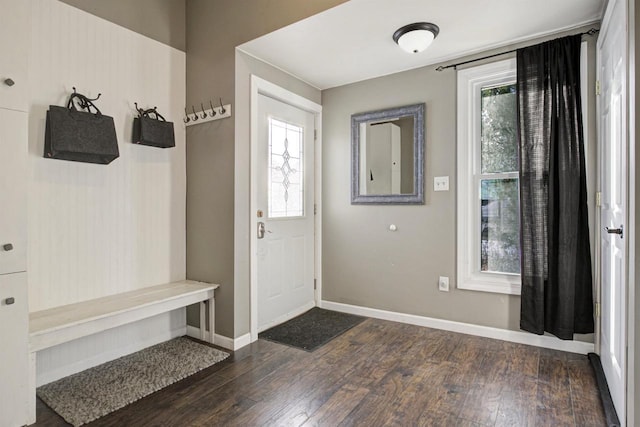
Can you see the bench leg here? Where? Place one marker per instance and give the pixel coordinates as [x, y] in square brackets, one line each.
[212, 319]
[31, 385]
[203, 323]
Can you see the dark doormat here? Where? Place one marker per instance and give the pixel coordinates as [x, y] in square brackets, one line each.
[312, 329]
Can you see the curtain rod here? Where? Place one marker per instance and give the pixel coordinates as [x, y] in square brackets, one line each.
[591, 32]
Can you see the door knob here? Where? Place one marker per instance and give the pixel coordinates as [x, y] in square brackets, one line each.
[10, 301]
[9, 82]
[7, 247]
[261, 230]
[618, 231]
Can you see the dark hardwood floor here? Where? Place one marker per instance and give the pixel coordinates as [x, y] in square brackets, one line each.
[378, 373]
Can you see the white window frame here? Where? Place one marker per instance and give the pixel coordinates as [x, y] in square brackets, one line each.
[470, 83]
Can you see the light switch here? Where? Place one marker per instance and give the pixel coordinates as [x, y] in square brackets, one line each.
[441, 183]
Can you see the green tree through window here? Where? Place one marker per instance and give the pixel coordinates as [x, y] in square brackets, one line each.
[499, 190]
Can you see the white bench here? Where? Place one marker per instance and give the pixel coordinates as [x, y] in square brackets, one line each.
[58, 325]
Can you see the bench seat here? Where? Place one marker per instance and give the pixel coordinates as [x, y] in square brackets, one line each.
[54, 326]
[58, 325]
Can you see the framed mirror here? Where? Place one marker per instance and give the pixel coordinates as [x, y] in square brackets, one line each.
[387, 156]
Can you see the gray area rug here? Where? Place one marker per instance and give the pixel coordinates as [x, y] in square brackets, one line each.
[96, 392]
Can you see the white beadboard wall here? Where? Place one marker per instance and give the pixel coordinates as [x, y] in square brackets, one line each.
[96, 230]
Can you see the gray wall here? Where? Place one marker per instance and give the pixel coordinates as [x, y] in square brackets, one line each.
[215, 28]
[161, 20]
[365, 264]
[406, 155]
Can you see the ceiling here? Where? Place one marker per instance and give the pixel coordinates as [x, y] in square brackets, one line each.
[352, 42]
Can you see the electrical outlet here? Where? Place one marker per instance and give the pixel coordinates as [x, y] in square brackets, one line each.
[441, 183]
[443, 284]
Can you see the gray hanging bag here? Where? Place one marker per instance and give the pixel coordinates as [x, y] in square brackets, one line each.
[152, 131]
[79, 134]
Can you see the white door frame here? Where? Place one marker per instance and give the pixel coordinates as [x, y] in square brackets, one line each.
[628, 417]
[260, 86]
[633, 413]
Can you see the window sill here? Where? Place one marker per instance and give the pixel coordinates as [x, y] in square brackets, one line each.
[493, 287]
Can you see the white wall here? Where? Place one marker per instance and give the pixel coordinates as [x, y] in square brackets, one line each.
[96, 230]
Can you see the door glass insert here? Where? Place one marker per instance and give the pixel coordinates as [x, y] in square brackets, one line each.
[286, 170]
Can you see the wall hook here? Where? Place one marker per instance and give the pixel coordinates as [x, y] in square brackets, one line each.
[139, 110]
[96, 98]
[195, 115]
[222, 110]
[204, 115]
[213, 110]
[186, 116]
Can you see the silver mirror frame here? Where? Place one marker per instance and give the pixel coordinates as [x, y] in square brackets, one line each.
[417, 111]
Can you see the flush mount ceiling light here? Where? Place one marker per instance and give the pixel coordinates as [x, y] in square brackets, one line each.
[414, 38]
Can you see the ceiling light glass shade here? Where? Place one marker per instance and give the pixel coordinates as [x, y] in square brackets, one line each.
[414, 38]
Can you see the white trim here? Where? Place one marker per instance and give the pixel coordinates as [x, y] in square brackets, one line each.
[632, 357]
[318, 208]
[470, 82]
[464, 328]
[264, 87]
[232, 344]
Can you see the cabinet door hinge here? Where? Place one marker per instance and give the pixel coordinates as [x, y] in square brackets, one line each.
[597, 87]
[597, 309]
[315, 209]
[315, 284]
[315, 134]
[598, 199]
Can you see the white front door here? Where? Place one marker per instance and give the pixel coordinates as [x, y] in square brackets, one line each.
[284, 218]
[613, 210]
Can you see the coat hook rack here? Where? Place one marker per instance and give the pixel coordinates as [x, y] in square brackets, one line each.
[206, 115]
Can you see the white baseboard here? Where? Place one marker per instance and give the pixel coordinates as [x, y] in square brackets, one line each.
[464, 328]
[103, 357]
[225, 342]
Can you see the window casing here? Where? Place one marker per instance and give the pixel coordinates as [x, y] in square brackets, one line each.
[488, 206]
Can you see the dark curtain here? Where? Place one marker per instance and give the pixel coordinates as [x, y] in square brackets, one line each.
[556, 258]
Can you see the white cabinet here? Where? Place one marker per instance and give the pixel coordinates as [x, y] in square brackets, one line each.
[13, 191]
[14, 311]
[14, 332]
[15, 36]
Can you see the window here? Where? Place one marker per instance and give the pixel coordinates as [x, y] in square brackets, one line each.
[488, 189]
[285, 182]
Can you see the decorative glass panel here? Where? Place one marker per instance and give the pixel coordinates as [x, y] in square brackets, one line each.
[498, 134]
[286, 170]
[500, 226]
